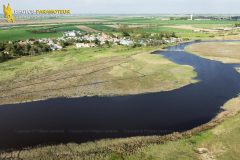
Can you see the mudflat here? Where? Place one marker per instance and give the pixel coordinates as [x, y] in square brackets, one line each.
[227, 52]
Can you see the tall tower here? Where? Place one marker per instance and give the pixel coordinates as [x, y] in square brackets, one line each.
[191, 17]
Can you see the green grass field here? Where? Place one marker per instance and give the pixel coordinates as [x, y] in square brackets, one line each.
[101, 27]
[22, 33]
[58, 59]
[120, 68]
[142, 20]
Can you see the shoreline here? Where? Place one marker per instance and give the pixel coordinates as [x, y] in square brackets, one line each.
[119, 71]
[133, 144]
[205, 50]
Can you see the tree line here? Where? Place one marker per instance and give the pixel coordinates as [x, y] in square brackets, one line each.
[9, 50]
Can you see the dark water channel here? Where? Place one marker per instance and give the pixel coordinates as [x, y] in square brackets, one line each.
[63, 120]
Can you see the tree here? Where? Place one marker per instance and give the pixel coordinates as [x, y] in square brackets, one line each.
[174, 35]
[124, 28]
[108, 43]
[97, 42]
[2, 47]
[125, 34]
[237, 25]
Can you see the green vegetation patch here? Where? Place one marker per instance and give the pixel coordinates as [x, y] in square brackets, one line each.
[101, 27]
[158, 20]
[15, 34]
[23, 33]
[56, 60]
[121, 70]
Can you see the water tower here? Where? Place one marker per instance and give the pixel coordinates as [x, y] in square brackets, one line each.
[191, 17]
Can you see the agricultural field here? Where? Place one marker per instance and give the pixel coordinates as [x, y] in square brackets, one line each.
[101, 27]
[159, 21]
[140, 24]
[23, 33]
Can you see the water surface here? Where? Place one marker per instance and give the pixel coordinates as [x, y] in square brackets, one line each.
[63, 120]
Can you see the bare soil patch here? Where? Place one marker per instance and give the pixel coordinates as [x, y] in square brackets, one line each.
[190, 27]
[47, 21]
[226, 52]
[130, 26]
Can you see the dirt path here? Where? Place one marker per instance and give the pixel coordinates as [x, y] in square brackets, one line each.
[87, 29]
[49, 21]
[130, 26]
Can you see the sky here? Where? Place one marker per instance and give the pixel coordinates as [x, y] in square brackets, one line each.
[131, 6]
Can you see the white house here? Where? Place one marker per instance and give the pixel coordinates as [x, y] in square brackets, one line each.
[126, 42]
[55, 47]
[85, 45]
[70, 34]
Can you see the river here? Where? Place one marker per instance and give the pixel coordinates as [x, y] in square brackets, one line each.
[64, 120]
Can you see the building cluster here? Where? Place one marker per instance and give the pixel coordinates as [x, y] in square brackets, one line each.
[87, 40]
[94, 39]
[173, 40]
[51, 43]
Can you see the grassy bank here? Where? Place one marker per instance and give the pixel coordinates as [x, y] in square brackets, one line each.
[90, 71]
[220, 142]
[227, 52]
[218, 139]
